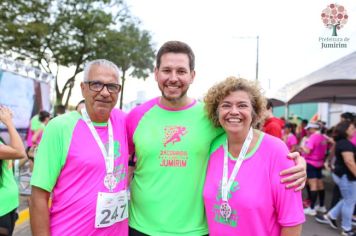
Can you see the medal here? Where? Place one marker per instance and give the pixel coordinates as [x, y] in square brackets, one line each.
[225, 210]
[226, 183]
[109, 179]
[110, 182]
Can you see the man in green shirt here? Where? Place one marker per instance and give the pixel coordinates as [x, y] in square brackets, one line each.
[170, 136]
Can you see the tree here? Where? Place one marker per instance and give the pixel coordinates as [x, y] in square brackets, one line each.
[334, 16]
[132, 50]
[53, 33]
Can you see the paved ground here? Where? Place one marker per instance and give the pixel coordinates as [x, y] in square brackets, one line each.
[310, 228]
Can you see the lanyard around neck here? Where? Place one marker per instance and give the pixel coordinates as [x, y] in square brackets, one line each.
[108, 156]
[226, 184]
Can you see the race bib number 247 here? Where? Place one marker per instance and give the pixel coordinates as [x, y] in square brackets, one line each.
[111, 208]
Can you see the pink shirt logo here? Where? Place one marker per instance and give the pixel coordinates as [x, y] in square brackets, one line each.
[173, 134]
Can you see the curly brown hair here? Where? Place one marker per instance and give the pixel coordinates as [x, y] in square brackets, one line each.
[231, 84]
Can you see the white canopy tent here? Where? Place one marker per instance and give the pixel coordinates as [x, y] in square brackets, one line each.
[334, 83]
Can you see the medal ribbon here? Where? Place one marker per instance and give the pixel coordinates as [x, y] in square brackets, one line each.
[226, 184]
[108, 157]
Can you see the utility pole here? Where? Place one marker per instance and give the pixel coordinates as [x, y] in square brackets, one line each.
[257, 38]
[257, 54]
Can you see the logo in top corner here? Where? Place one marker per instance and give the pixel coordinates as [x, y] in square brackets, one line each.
[334, 17]
[173, 134]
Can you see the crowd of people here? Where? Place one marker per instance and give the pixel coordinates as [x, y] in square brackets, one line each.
[192, 168]
[324, 149]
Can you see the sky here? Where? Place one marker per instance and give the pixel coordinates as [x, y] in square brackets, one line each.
[223, 34]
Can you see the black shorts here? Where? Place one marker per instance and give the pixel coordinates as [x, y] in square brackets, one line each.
[7, 222]
[314, 172]
[134, 232]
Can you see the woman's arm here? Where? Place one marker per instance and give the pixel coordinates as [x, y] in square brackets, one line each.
[291, 231]
[349, 160]
[35, 136]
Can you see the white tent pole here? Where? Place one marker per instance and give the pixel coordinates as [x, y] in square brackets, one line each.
[286, 110]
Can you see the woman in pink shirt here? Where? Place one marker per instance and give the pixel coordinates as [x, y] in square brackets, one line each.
[242, 192]
[289, 137]
[315, 153]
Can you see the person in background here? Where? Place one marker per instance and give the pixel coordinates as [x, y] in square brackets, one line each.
[9, 193]
[232, 194]
[289, 137]
[346, 116]
[350, 117]
[80, 106]
[315, 153]
[59, 110]
[272, 124]
[82, 162]
[344, 175]
[336, 192]
[43, 117]
[301, 132]
[35, 124]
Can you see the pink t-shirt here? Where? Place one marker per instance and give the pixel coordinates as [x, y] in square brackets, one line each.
[70, 164]
[260, 204]
[317, 144]
[291, 141]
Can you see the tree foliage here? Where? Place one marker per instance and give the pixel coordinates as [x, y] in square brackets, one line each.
[53, 33]
[134, 53]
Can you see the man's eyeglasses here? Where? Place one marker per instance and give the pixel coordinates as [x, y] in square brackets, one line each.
[97, 86]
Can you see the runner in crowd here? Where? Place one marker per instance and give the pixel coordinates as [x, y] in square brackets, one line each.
[43, 117]
[272, 125]
[344, 175]
[289, 137]
[9, 193]
[170, 136]
[80, 106]
[314, 150]
[82, 160]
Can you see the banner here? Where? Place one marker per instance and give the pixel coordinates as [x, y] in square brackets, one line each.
[24, 96]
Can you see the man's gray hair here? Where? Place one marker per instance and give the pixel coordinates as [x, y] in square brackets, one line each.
[100, 62]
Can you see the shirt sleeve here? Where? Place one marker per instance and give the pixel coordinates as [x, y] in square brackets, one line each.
[288, 203]
[345, 146]
[51, 154]
[311, 142]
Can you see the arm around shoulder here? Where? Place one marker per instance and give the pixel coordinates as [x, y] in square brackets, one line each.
[297, 174]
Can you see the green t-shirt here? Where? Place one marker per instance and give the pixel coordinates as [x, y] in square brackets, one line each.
[9, 193]
[36, 123]
[172, 148]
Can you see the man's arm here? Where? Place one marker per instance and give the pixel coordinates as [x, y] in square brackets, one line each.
[39, 212]
[291, 231]
[297, 174]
